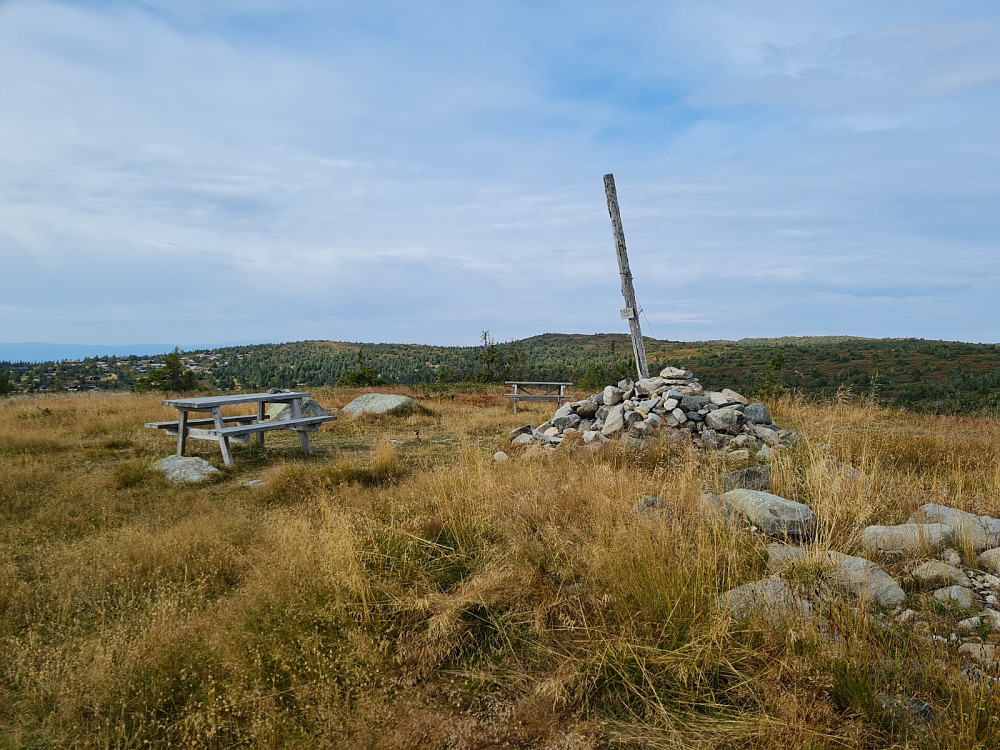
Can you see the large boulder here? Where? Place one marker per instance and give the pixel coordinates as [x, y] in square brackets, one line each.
[379, 403]
[980, 532]
[773, 515]
[185, 469]
[309, 408]
[906, 538]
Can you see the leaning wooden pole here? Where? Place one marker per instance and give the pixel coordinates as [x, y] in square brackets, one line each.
[631, 311]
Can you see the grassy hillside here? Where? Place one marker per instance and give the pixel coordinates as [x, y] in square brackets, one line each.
[933, 376]
[401, 593]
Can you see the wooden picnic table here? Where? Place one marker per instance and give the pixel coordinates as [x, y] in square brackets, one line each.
[239, 428]
[535, 385]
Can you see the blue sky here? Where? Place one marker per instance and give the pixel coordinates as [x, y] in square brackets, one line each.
[205, 172]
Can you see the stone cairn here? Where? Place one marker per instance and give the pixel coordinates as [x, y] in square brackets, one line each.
[673, 403]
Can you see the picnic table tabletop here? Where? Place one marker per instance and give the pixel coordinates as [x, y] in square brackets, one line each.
[213, 402]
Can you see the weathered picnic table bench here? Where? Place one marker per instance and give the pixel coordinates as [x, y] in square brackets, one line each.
[237, 429]
[549, 389]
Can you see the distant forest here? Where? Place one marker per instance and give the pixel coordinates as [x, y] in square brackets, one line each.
[919, 375]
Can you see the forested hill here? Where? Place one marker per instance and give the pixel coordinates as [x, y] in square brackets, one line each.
[938, 376]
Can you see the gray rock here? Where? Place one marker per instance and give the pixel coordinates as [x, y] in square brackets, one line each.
[614, 422]
[955, 597]
[587, 409]
[185, 469]
[769, 436]
[254, 482]
[500, 456]
[770, 597]
[939, 573]
[751, 478]
[757, 413]
[612, 395]
[773, 515]
[907, 538]
[693, 403]
[738, 455]
[521, 431]
[723, 420]
[563, 411]
[626, 384]
[966, 527]
[632, 417]
[951, 556]
[566, 421]
[649, 404]
[309, 408]
[650, 384]
[379, 403]
[981, 652]
[585, 424]
[734, 396]
[591, 435]
[990, 560]
[525, 438]
[675, 373]
[602, 413]
[711, 439]
[857, 576]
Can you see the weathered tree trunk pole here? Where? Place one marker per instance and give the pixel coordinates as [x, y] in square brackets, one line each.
[631, 311]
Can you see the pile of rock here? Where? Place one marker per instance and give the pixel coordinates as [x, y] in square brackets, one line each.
[674, 402]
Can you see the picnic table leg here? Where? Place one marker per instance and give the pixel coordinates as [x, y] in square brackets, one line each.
[220, 424]
[303, 435]
[181, 432]
[260, 418]
[515, 398]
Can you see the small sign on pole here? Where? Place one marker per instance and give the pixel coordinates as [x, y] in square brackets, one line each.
[631, 311]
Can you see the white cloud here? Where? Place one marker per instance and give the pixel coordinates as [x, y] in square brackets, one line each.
[780, 167]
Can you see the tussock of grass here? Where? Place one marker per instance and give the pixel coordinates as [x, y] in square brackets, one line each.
[411, 590]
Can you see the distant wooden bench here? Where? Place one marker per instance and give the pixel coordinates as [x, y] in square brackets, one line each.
[237, 429]
[548, 388]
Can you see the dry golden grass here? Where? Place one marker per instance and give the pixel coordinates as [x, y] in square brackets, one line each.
[396, 592]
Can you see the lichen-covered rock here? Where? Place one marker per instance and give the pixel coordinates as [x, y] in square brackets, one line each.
[955, 597]
[990, 560]
[773, 515]
[723, 420]
[379, 403]
[979, 532]
[185, 469]
[939, 573]
[308, 407]
[907, 538]
[614, 422]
